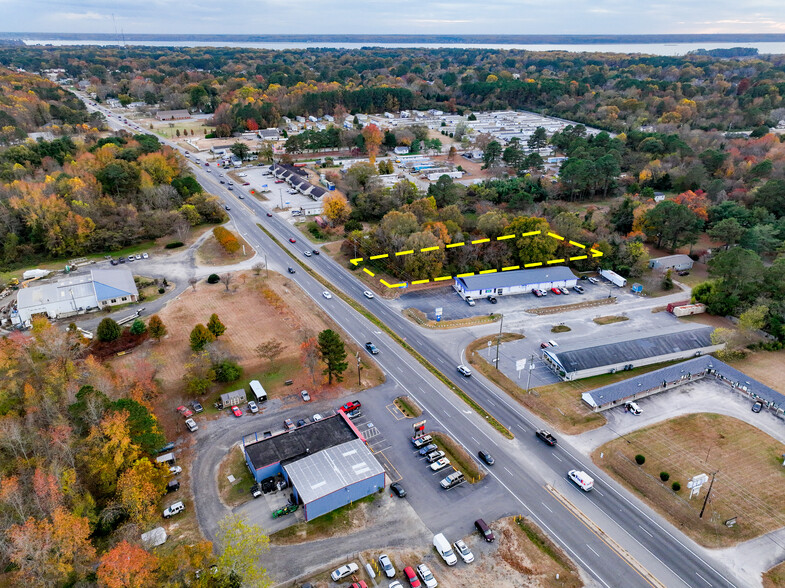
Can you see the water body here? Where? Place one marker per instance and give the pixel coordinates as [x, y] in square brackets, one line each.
[669, 49]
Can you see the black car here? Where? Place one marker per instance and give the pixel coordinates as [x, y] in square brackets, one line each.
[398, 489]
[684, 273]
[757, 406]
[315, 252]
[486, 457]
[291, 270]
[301, 423]
[122, 260]
[492, 299]
[372, 349]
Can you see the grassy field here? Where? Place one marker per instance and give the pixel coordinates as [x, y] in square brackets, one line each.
[767, 367]
[549, 559]
[211, 252]
[234, 494]
[458, 457]
[748, 484]
[775, 577]
[342, 521]
[419, 317]
[408, 407]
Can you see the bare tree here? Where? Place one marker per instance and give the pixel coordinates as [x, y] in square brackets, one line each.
[181, 229]
[269, 350]
[227, 279]
[193, 282]
[257, 269]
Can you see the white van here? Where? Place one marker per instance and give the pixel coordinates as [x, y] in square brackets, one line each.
[445, 549]
[584, 481]
[258, 391]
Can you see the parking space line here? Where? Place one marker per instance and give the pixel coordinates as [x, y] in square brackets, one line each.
[395, 412]
[390, 468]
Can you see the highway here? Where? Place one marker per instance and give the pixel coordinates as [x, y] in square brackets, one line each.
[592, 526]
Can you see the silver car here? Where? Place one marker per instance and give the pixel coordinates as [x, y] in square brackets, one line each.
[386, 565]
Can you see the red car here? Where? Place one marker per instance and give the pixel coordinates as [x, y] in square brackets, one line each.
[279, 181]
[350, 406]
[292, 240]
[414, 581]
[555, 290]
[236, 411]
[269, 214]
[185, 411]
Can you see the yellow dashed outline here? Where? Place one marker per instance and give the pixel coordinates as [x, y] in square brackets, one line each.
[594, 253]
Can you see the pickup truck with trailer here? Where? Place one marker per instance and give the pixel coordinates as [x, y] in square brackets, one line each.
[547, 437]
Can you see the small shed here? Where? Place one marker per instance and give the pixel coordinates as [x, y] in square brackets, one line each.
[233, 398]
[154, 538]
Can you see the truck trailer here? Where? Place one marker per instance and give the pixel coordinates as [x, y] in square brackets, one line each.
[613, 278]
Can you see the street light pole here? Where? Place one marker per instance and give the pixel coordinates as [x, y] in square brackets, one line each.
[499, 340]
[359, 382]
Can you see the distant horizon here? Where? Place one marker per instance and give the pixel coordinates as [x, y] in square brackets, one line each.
[457, 38]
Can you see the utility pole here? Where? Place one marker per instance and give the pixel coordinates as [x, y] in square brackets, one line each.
[266, 269]
[498, 341]
[531, 369]
[359, 382]
[708, 493]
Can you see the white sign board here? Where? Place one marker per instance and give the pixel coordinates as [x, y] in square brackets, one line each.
[520, 364]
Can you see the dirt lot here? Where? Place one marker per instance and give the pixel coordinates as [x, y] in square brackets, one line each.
[748, 485]
[260, 309]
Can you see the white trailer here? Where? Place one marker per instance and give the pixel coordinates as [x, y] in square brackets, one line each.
[35, 273]
[613, 278]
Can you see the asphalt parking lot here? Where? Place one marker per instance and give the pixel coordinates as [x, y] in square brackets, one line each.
[454, 307]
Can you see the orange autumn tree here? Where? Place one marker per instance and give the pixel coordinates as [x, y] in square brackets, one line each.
[127, 566]
[373, 138]
[696, 201]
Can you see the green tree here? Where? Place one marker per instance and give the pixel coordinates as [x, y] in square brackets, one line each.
[531, 248]
[241, 545]
[156, 327]
[200, 337]
[241, 150]
[534, 161]
[138, 327]
[491, 154]
[215, 326]
[728, 231]
[143, 427]
[608, 170]
[513, 155]
[227, 371]
[739, 272]
[771, 196]
[623, 216]
[333, 352]
[538, 139]
[108, 330]
[671, 223]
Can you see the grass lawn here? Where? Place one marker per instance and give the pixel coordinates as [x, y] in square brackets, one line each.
[775, 577]
[211, 252]
[419, 317]
[458, 457]
[407, 406]
[239, 492]
[338, 522]
[311, 230]
[548, 558]
[748, 484]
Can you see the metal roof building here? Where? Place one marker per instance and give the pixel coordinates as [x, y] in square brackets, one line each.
[77, 294]
[515, 282]
[592, 357]
[678, 262]
[678, 374]
[327, 463]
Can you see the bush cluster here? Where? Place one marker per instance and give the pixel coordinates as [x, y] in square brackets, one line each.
[227, 239]
[213, 279]
[173, 245]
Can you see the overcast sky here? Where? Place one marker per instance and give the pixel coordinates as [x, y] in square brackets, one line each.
[394, 17]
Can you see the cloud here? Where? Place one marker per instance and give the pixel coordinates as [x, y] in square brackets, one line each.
[80, 16]
[437, 21]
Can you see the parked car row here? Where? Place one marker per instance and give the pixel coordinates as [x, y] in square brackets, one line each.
[129, 258]
[437, 460]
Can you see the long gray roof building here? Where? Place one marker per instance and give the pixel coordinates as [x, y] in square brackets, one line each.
[591, 357]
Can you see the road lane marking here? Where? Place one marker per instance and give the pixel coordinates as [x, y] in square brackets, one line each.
[594, 552]
[704, 579]
[645, 531]
[509, 472]
[557, 457]
[546, 506]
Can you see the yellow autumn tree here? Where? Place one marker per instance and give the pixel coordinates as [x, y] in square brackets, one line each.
[373, 138]
[336, 208]
[139, 489]
[110, 450]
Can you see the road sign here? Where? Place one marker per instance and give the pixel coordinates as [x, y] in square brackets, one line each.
[419, 428]
[520, 364]
[439, 313]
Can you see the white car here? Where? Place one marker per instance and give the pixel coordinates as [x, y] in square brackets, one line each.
[440, 464]
[252, 407]
[191, 425]
[344, 571]
[426, 576]
[145, 256]
[327, 295]
[316, 418]
[174, 470]
[305, 395]
[464, 370]
[307, 253]
[395, 584]
[632, 407]
[553, 343]
[368, 294]
[461, 549]
[386, 565]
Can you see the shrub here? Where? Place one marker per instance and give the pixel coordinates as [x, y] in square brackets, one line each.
[352, 225]
[227, 239]
[161, 290]
[173, 245]
[227, 371]
[664, 476]
[639, 459]
[138, 327]
[108, 330]
[213, 279]
[200, 337]
[676, 486]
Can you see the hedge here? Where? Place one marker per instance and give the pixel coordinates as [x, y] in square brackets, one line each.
[227, 239]
[173, 245]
